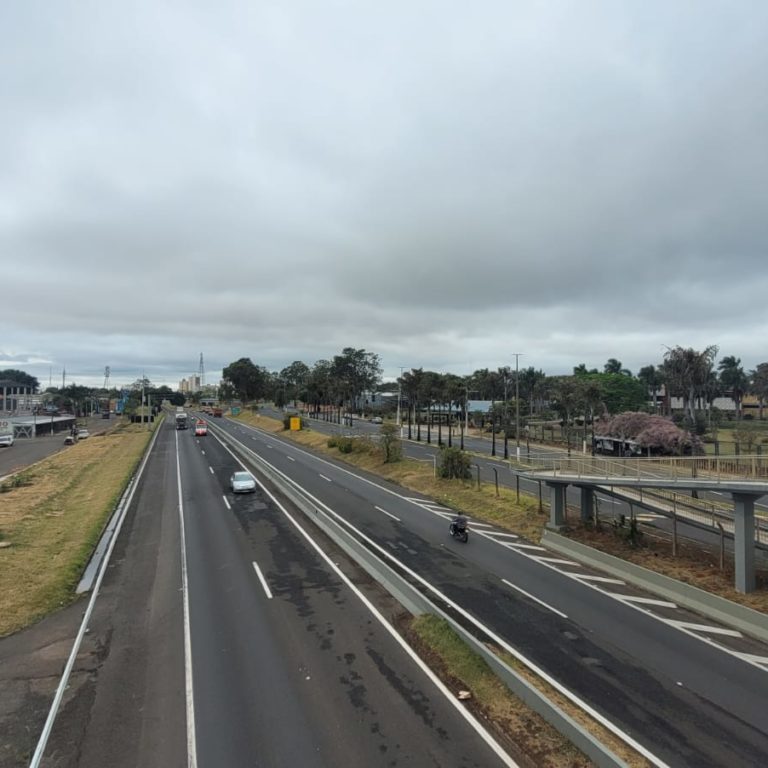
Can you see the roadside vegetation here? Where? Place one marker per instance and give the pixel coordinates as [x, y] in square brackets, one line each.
[692, 563]
[533, 740]
[51, 517]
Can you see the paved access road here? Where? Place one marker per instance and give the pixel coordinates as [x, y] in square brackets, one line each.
[276, 660]
[28, 450]
[688, 692]
[492, 467]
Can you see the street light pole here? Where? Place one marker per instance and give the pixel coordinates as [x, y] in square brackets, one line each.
[517, 401]
[400, 396]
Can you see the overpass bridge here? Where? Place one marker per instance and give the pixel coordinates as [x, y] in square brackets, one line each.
[591, 474]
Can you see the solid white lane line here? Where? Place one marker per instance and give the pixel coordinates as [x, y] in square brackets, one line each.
[589, 577]
[210, 469]
[262, 579]
[643, 600]
[419, 502]
[290, 458]
[534, 598]
[328, 479]
[604, 721]
[226, 502]
[188, 679]
[388, 513]
[463, 711]
[752, 657]
[704, 628]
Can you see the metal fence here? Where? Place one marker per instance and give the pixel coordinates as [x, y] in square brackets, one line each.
[715, 468]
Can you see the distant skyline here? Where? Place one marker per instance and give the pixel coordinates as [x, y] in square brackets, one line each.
[442, 184]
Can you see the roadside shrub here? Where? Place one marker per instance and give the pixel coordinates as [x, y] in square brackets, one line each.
[454, 464]
[17, 481]
[391, 447]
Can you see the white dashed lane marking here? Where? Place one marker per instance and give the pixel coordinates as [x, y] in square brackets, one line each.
[557, 560]
[704, 628]
[643, 600]
[387, 513]
[515, 545]
[590, 577]
[534, 598]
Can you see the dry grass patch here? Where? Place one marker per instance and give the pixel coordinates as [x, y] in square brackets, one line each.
[51, 523]
[462, 495]
[694, 565]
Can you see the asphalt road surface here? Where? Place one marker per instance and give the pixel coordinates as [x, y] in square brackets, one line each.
[688, 691]
[275, 660]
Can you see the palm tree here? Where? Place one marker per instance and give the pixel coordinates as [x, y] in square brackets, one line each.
[733, 378]
[758, 385]
[531, 382]
[652, 378]
[453, 395]
[687, 371]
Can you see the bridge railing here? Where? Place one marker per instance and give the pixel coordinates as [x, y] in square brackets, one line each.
[717, 468]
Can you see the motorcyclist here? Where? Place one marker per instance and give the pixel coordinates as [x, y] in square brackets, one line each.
[458, 524]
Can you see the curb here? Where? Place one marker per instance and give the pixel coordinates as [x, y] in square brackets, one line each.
[720, 609]
[417, 603]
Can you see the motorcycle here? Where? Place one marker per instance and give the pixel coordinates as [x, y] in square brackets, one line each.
[459, 532]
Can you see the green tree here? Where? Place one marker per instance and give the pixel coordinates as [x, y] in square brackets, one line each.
[296, 376]
[246, 378]
[734, 380]
[20, 377]
[758, 385]
[355, 371]
[581, 369]
[391, 446]
[687, 372]
[652, 378]
[531, 387]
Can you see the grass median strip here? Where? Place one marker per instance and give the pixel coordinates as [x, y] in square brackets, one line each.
[50, 523]
[535, 742]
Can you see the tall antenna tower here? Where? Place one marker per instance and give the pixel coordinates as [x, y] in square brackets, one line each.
[106, 377]
[201, 372]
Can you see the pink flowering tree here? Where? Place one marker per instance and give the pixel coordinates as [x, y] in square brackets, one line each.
[649, 431]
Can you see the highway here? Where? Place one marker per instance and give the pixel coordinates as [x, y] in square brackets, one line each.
[490, 467]
[687, 691]
[224, 635]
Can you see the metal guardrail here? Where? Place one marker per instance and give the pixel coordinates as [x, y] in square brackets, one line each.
[415, 601]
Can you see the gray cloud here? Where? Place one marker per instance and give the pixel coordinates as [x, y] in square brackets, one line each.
[439, 184]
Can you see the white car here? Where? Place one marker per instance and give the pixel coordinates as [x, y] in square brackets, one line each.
[7, 439]
[242, 482]
[82, 434]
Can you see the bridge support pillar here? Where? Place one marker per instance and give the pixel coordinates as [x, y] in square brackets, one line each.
[587, 503]
[744, 540]
[556, 506]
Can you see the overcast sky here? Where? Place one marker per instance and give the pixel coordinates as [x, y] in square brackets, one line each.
[441, 183]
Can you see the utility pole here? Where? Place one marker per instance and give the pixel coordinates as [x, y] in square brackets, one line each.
[400, 397]
[517, 401]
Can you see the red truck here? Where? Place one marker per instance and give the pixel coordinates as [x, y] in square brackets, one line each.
[218, 412]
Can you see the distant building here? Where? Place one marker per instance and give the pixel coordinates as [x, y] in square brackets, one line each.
[191, 385]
